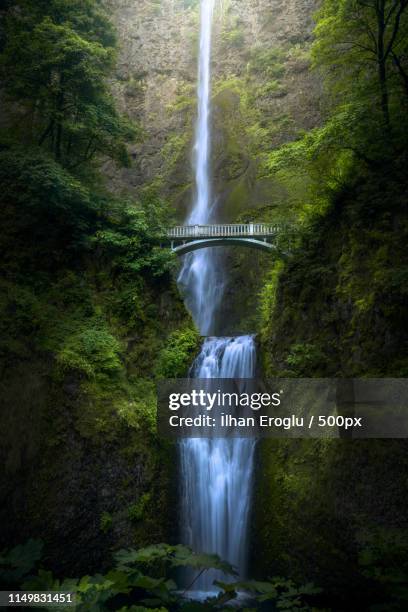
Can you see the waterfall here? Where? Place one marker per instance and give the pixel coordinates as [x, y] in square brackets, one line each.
[200, 274]
[216, 473]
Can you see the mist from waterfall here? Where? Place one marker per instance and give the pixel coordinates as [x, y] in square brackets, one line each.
[216, 474]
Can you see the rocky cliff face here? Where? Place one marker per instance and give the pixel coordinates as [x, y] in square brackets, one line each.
[263, 94]
[75, 472]
[156, 65]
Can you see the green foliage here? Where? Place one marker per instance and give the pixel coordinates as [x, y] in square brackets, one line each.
[140, 578]
[87, 286]
[336, 309]
[268, 297]
[19, 561]
[86, 296]
[358, 47]
[267, 61]
[93, 351]
[365, 117]
[57, 58]
[137, 510]
[175, 149]
[383, 559]
[285, 594]
[132, 236]
[303, 359]
[174, 556]
[331, 176]
[177, 355]
[234, 38]
[55, 209]
[138, 409]
[105, 523]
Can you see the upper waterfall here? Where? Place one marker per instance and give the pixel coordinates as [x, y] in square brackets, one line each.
[200, 276]
[201, 210]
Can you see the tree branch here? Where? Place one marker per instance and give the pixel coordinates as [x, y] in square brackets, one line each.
[403, 73]
[390, 12]
[358, 45]
[403, 6]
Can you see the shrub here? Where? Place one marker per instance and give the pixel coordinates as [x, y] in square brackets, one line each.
[177, 355]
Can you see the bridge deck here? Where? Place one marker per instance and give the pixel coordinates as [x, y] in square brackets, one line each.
[229, 230]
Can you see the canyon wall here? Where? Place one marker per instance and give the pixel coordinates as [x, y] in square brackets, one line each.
[263, 94]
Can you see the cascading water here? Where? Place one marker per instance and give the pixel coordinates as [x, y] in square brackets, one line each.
[200, 276]
[216, 473]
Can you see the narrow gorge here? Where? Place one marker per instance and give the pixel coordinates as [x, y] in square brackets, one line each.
[121, 119]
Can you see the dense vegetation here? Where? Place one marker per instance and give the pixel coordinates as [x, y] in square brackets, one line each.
[146, 579]
[337, 307]
[90, 316]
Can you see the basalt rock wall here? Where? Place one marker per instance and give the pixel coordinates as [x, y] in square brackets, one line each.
[263, 94]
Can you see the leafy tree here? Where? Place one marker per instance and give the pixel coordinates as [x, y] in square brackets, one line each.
[42, 203]
[360, 48]
[56, 60]
[129, 237]
[361, 45]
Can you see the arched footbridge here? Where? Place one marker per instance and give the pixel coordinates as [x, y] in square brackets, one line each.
[186, 238]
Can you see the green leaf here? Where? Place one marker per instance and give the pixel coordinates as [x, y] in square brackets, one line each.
[17, 562]
[184, 557]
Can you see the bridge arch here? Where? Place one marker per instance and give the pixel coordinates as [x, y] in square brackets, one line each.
[195, 245]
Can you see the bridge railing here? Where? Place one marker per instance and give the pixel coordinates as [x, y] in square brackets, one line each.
[223, 230]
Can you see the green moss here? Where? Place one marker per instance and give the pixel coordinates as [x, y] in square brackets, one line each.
[135, 88]
[268, 298]
[234, 38]
[303, 359]
[335, 308]
[325, 512]
[105, 523]
[267, 61]
[137, 510]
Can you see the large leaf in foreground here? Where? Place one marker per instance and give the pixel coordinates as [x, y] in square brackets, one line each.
[150, 554]
[176, 556]
[184, 557]
[17, 562]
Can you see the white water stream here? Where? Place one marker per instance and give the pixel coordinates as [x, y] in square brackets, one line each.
[216, 473]
[200, 275]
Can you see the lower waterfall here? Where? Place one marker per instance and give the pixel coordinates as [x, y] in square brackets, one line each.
[216, 473]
